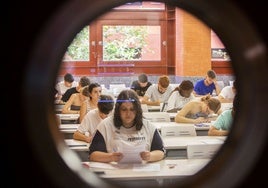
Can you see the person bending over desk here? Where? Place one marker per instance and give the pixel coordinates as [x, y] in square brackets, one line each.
[207, 85]
[227, 93]
[72, 106]
[141, 85]
[199, 111]
[158, 93]
[224, 122]
[88, 125]
[180, 96]
[126, 127]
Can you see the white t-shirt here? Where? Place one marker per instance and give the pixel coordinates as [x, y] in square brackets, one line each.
[61, 88]
[109, 139]
[227, 92]
[177, 101]
[153, 94]
[90, 122]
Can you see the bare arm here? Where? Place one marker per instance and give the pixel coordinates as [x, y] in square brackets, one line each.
[216, 132]
[67, 106]
[152, 156]
[218, 89]
[79, 136]
[145, 100]
[99, 156]
[83, 111]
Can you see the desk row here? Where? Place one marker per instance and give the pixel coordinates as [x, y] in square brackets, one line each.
[165, 128]
[176, 147]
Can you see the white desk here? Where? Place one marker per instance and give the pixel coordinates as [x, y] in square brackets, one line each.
[164, 169]
[184, 141]
[77, 145]
[153, 108]
[176, 147]
[58, 108]
[201, 131]
[68, 128]
[68, 116]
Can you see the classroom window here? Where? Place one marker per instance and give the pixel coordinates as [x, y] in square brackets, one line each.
[126, 42]
[79, 49]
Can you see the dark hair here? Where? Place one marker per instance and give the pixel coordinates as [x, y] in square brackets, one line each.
[84, 81]
[128, 95]
[211, 74]
[143, 78]
[105, 104]
[235, 103]
[234, 84]
[68, 78]
[92, 86]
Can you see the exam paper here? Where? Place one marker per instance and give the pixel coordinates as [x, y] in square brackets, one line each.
[131, 153]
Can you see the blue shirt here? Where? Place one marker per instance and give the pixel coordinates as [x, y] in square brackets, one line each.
[201, 89]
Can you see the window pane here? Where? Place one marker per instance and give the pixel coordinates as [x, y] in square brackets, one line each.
[130, 43]
[78, 50]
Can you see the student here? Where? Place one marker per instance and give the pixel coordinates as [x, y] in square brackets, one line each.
[224, 122]
[207, 85]
[158, 93]
[94, 90]
[72, 106]
[62, 86]
[141, 85]
[126, 127]
[180, 96]
[227, 93]
[199, 111]
[86, 129]
[84, 81]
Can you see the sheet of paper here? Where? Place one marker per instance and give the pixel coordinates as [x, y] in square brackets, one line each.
[102, 165]
[146, 167]
[132, 153]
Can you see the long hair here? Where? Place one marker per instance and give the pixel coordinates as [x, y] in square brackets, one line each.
[128, 95]
[213, 103]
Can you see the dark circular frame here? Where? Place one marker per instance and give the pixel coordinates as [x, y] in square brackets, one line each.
[248, 54]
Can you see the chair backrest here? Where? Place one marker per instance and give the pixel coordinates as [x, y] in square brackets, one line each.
[157, 116]
[178, 130]
[202, 151]
[221, 84]
[117, 88]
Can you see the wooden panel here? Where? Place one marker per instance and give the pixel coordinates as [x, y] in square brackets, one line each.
[222, 67]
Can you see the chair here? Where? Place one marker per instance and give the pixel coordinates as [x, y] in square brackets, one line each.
[157, 116]
[221, 84]
[203, 149]
[178, 130]
[117, 88]
[174, 85]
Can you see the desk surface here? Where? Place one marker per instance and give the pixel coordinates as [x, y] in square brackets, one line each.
[183, 141]
[68, 128]
[164, 169]
[161, 124]
[77, 145]
[68, 116]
